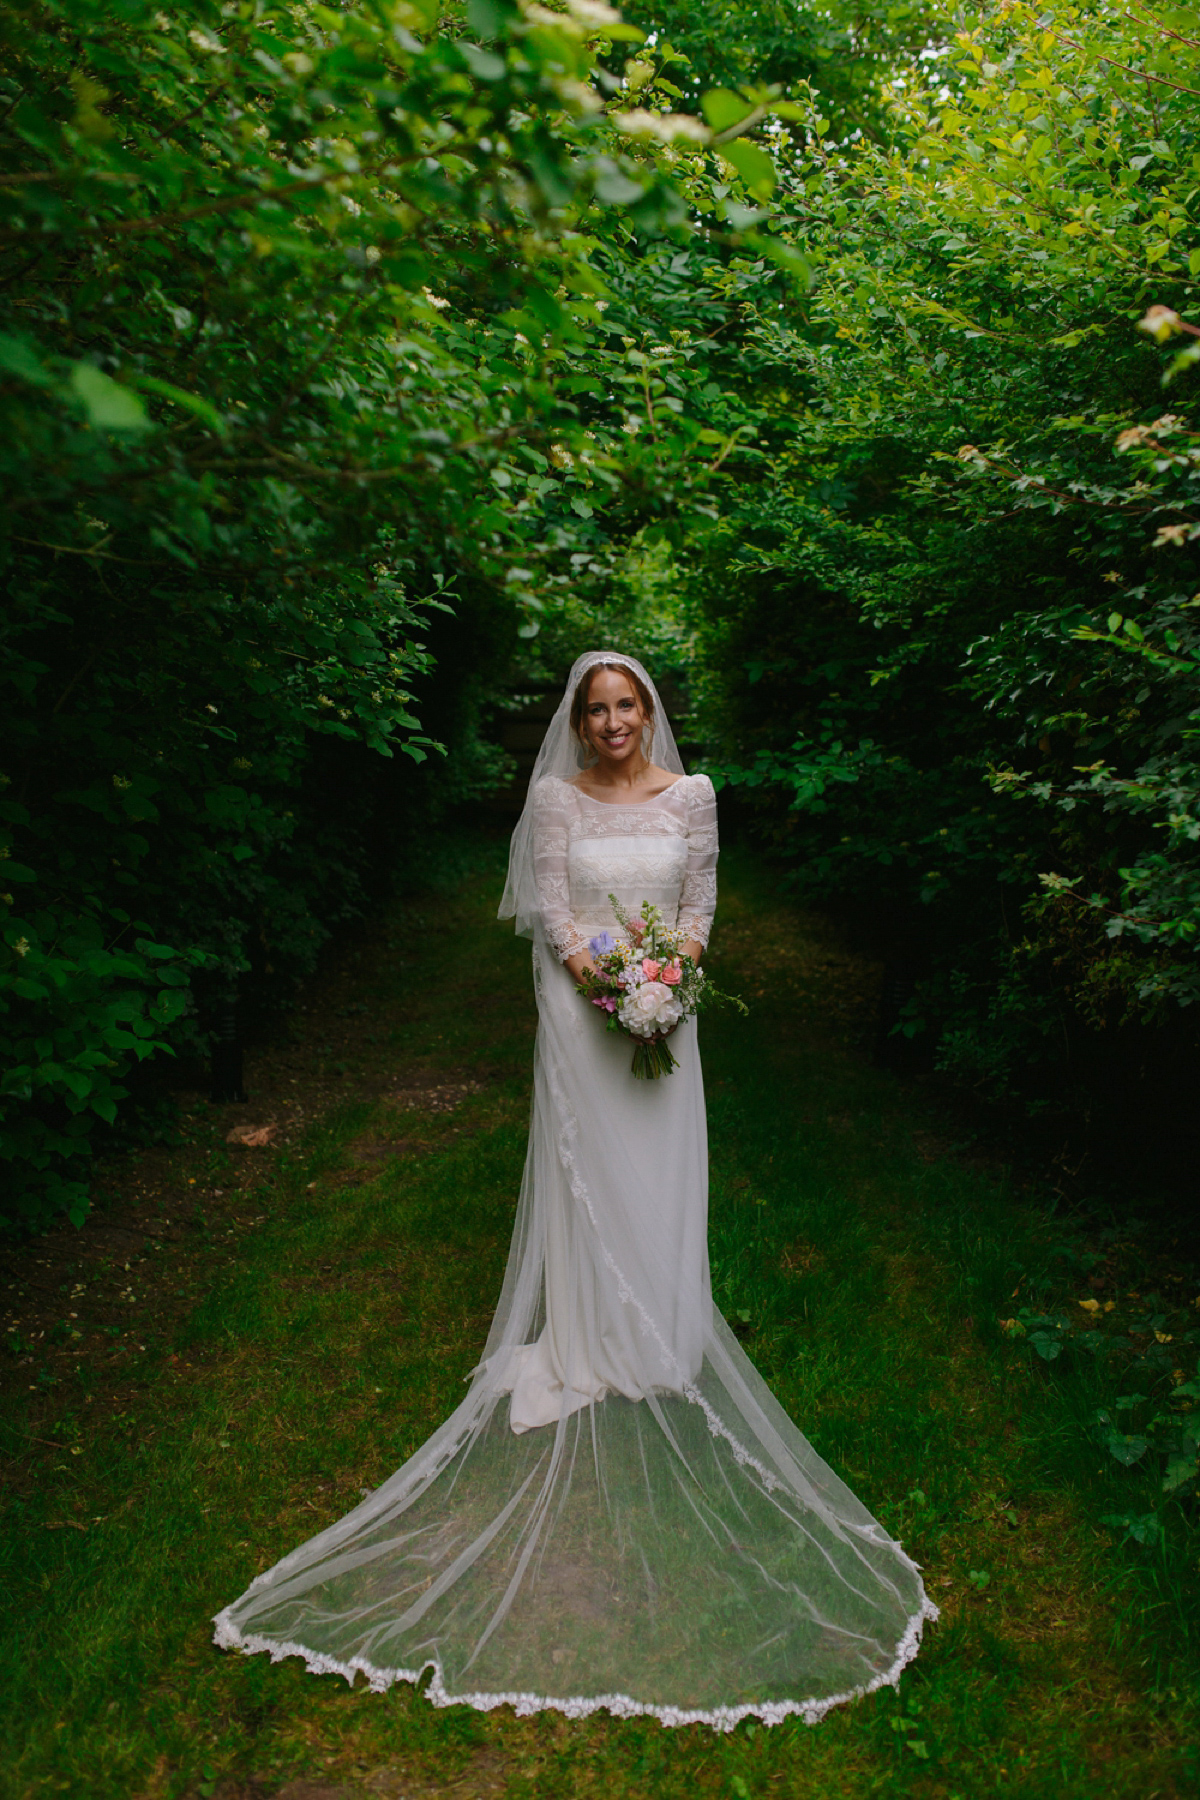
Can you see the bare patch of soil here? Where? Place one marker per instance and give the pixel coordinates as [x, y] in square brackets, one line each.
[801, 1258]
[440, 1099]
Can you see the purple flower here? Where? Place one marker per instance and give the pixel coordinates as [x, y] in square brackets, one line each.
[602, 944]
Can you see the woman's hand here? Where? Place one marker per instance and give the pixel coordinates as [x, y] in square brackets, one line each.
[581, 964]
[695, 949]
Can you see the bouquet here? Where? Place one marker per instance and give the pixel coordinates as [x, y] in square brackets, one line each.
[647, 986]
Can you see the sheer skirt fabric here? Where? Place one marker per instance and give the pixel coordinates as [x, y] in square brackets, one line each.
[619, 1514]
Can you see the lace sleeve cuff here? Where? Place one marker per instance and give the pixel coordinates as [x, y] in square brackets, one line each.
[565, 938]
[696, 925]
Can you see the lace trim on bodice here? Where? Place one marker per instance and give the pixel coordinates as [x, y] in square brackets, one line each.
[683, 881]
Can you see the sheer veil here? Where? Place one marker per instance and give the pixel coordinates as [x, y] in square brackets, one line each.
[619, 1513]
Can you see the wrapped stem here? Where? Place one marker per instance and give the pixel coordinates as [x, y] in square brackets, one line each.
[652, 1058]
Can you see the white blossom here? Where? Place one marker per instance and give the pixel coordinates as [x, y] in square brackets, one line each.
[593, 12]
[666, 127]
[651, 1008]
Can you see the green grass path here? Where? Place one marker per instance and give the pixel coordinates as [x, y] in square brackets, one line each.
[336, 1290]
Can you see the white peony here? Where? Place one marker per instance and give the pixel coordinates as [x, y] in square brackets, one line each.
[650, 1008]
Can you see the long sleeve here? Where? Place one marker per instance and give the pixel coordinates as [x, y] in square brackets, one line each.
[698, 896]
[551, 820]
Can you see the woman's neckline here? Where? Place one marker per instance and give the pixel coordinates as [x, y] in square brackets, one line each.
[628, 803]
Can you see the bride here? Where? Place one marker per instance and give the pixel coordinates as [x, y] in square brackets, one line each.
[619, 1514]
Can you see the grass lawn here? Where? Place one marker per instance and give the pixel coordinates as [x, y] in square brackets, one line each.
[243, 1338]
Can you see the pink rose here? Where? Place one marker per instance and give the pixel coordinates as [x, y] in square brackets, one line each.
[671, 974]
[637, 930]
[650, 968]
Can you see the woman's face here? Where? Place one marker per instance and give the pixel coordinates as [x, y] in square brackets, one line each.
[613, 718]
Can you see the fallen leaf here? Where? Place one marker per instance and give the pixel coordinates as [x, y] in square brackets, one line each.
[252, 1137]
[1089, 1305]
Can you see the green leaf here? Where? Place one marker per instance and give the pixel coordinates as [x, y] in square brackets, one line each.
[613, 186]
[752, 164]
[17, 358]
[1146, 1529]
[544, 306]
[109, 405]
[550, 177]
[489, 17]
[784, 256]
[407, 268]
[485, 65]
[743, 217]
[1125, 1450]
[722, 108]
[193, 403]
[1180, 1470]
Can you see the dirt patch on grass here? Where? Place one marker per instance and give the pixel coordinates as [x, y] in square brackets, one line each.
[443, 1098]
[801, 1258]
[486, 1773]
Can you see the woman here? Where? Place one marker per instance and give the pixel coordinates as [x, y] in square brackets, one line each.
[619, 1514]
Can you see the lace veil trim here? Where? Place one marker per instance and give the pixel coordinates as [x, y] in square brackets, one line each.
[576, 1706]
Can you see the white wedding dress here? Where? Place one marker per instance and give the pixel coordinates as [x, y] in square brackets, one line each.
[619, 1514]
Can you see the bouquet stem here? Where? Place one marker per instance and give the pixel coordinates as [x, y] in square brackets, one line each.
[652, 1058]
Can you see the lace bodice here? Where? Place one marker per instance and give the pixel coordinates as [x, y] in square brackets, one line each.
[661, 851]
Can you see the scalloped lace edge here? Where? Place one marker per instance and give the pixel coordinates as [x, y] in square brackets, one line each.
[227, 1636]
